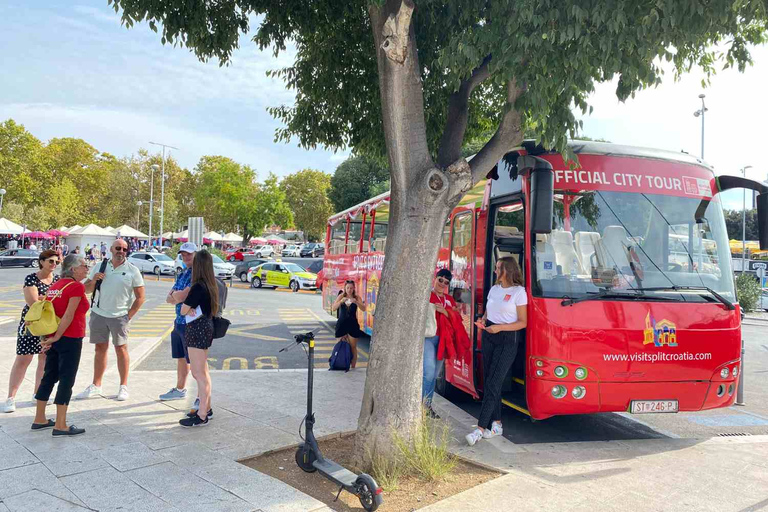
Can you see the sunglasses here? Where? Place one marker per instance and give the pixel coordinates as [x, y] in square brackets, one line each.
[53, 261]
[120, 249]
[442, 280]
[349, 282]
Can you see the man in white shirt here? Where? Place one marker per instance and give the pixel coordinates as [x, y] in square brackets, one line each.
[116, 302]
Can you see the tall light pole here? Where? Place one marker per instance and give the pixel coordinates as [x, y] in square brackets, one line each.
[2, 195]
[162, 190]
[744, 223]
[698, 113]
[154, 167]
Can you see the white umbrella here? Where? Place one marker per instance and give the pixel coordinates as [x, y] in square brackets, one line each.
[8, 227]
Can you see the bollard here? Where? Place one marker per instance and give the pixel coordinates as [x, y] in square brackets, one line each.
[740, 387]
[231, 280]
[158, 276]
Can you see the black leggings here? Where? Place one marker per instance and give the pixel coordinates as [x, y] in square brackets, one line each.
[61, 364]
[499, 352]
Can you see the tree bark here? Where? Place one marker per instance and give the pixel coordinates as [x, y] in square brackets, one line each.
[421, 198]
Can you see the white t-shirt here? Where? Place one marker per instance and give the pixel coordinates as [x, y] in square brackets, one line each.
[503, 302]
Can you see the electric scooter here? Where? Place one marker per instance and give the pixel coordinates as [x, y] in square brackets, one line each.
[310, 459]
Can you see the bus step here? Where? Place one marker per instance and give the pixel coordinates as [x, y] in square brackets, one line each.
[516, 400]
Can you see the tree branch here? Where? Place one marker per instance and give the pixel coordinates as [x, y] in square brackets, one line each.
[458, 114]
[508, 135]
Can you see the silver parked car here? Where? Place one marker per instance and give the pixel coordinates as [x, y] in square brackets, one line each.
[154, 262]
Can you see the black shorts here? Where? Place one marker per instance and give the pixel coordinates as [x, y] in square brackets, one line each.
[178, 347]
[199, 333]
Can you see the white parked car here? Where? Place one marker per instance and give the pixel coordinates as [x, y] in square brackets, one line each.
[263, 251]
[221, 268]
[154, 262]
[293, 251]
[763, 304]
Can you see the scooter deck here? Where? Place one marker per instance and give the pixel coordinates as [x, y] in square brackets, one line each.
[336, 472]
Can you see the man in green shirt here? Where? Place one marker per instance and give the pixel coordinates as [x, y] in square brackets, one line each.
[117, 301]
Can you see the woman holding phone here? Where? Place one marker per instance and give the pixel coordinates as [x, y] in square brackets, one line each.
[347, 327]
[506, 313]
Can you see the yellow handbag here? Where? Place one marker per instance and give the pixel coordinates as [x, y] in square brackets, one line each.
[41, 319]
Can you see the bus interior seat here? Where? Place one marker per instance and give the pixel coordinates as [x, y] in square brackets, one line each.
[611, 249]
[585, 247]
[565, 254]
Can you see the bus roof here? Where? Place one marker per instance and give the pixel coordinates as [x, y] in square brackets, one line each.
[530, 147]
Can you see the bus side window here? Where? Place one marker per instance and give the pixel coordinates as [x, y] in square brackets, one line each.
[338, 238]
[379, 242]
[353, 241]
[461, 260]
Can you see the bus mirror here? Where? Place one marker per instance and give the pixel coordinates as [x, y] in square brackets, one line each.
[762, 220]
[542, 199]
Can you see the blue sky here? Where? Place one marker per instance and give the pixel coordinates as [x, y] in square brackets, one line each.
[71, 70]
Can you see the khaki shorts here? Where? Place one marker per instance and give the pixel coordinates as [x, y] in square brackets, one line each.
[102, 327]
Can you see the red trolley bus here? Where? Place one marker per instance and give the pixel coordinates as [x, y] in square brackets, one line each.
[631, 299]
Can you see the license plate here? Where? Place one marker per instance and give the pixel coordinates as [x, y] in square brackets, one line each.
[652, 406]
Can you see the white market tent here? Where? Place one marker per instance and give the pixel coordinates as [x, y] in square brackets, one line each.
[73, 228]
[8, 227]
[127, 231]
[168, 235]
[182, 234]
[63, 228]
[232, 237]
[111, 229]
[88, 235]
[213, 236]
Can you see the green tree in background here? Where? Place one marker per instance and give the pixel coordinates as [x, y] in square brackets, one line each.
[733, 224]
[225, 192]
[307, 194]
[354, 181]
[269, 208]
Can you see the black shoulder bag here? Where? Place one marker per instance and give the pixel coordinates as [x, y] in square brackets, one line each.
[96, 288]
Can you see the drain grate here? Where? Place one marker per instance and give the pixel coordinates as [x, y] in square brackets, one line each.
[733, 434]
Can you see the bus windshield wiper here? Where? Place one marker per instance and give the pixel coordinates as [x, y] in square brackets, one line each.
[603, 295]
[728, 304]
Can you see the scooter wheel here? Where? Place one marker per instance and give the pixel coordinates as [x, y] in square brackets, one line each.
[368, 492]
[304, 458]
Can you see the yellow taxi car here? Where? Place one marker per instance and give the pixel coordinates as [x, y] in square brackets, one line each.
[282, 275]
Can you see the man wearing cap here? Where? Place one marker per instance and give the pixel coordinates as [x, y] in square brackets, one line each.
[176, 296]
[115, 303]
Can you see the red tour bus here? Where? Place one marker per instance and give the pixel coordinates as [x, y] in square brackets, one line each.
[625, 256]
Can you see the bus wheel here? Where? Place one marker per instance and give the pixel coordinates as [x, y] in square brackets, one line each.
[256, 282]
[294, 286]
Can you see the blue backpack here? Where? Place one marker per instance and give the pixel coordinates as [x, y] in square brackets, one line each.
[341, 357]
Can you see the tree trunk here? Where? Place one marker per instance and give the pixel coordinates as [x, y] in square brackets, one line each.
[421, 198]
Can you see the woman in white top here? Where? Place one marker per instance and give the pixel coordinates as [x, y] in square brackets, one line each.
[505, 314]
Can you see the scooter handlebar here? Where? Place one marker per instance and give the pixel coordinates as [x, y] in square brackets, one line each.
[304, 338]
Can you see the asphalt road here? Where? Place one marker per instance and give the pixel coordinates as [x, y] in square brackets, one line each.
[265, 320]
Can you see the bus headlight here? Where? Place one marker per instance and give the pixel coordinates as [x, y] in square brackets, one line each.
[539, 373]
[561, 371]
[735, 371]
[579, 392]
[580, 373]
[559, 391]
[539, 363]
[724, 373]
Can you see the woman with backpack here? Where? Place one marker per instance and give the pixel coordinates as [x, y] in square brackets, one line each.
[347, 327]
[63, 347]
[35, 287]
[199, 308]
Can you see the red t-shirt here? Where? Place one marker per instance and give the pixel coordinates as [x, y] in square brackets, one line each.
[60, 300]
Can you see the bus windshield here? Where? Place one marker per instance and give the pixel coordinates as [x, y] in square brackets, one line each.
[628, 242]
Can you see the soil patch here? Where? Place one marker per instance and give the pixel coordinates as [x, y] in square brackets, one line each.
[412, 493]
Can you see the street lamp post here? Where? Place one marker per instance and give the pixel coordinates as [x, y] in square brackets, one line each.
[698, 113]
[154, 167]
[744, 223]
[162, 190]
[2, 195]
[138, 213]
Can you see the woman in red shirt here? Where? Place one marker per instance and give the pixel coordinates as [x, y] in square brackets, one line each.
[440, 302]
[64, 346]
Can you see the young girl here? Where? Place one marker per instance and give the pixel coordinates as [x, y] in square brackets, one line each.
[200, 306]
[347, 327]
[505, 313]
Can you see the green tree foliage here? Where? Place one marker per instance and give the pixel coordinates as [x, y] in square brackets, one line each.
[747, 291]
[307, 194]
[733, 224]
[270, 208]
[356, 180]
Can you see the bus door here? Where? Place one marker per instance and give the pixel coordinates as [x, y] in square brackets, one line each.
[506, 237]
[459, 372]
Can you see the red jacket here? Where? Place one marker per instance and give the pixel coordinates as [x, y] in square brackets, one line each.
[453, 336]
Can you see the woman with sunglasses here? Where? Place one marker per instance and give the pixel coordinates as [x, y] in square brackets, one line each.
[347, 327]
[440, 302]
[35, 287]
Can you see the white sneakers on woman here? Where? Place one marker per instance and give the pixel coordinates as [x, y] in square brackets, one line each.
[482, 433]
[9, 405]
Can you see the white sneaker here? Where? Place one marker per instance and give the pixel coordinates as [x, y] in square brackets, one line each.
[496, 430]
[122, 394]
[10, 405]
[91, 391]
[474, 436]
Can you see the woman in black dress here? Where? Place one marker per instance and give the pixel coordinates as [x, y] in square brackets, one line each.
[35, 288]
[347, 327]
